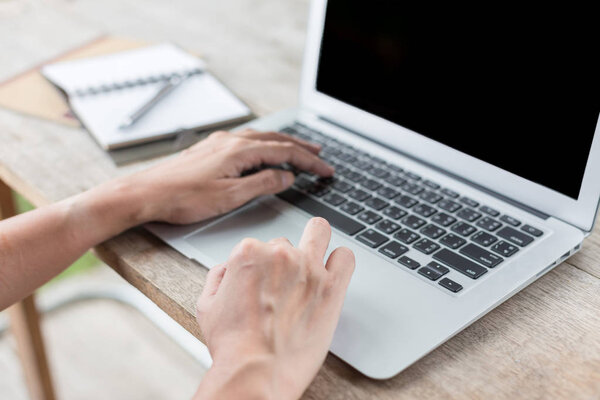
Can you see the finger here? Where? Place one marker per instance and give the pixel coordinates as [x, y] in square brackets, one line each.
[315, 238]
[280, 240]
[280, 137]
[213, 280]
[340, 265]
[267, 181]
[274, 153]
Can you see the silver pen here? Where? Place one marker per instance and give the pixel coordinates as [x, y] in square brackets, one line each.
[171, 84]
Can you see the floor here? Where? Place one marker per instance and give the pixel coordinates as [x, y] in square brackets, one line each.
[101, 349]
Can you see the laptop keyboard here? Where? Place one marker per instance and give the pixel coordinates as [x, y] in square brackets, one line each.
[395, 212]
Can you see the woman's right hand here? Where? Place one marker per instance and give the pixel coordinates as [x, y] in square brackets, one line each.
[268, 315]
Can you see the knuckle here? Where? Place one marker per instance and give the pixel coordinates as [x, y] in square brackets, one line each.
[270, 179]
[243, 252]
[219, 133]
[282, 254]
[238, 145]
[248, 245]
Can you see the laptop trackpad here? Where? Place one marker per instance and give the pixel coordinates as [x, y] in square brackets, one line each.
[257, 220]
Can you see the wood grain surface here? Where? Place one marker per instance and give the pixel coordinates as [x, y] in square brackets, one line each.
[543, 343]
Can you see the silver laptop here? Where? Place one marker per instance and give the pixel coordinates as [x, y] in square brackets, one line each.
[467, 159]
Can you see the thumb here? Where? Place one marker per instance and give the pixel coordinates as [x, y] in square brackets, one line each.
[268, 181]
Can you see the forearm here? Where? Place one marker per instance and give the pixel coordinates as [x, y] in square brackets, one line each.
[38, 245]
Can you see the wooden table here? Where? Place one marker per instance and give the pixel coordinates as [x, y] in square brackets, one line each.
[542, 343]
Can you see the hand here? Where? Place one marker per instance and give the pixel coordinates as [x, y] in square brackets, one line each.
[268, 314]
[204, 181]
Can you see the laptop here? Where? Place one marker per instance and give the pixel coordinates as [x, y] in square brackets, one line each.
[467, 164]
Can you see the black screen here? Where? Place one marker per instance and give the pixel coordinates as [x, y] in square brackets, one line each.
[517, 87]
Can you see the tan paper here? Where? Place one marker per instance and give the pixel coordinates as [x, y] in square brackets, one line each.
[30, 93]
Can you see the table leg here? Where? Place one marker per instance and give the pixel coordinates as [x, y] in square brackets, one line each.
[25, 325]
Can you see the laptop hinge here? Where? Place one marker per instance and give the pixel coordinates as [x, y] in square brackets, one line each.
[513, 202]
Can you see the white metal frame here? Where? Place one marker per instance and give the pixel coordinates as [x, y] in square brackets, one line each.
[580, 212]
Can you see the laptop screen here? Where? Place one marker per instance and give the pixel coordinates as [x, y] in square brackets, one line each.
[516, 87]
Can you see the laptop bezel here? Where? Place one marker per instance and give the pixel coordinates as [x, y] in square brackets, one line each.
[580, 212]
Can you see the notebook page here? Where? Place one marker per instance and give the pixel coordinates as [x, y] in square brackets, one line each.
[199, 101]
[129, 66]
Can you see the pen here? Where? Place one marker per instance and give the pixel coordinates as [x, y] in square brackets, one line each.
[171, 84]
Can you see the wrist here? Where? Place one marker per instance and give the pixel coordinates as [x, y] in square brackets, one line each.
[108, 209]
[250, 379]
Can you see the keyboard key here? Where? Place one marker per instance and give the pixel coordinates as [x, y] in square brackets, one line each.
[449, 205]
[483, 238]
[348, 157]
[460, 263]
[412, 175]
[406, 236]
[481, 255]
[449, 193]
[334, 199]
[424, 210]
[426, 246]
[342, 186]
[395, 168]
[379, 173]
[489, 211]
[463, 229]
[387, 192]
[431, 184]
[450, 285]
[453, 241]
[433, 271]
[489, 224]
[362, 164]
[468, 201]
[352, 208]
[303, 182]
[406, 201]
[318, 209]
[394, 212]
[510, 220]
[395, 180]
[387, 226]
[531, 230]
[513, 235]
[318, 190]
[414, 222]
[430, 197]
[369, 217]
[376, 203]
[354, 176]
[432, 231]
[358, 194]
[468, 214]
[412, 188]
[504, 248]
[371, 238]
[370, 184]
[409, 262]
[393, 249]
[443, 219]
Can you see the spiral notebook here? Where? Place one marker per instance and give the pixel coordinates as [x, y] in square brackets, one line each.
[103, 91]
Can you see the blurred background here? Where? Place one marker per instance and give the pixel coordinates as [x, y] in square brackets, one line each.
[124, 347]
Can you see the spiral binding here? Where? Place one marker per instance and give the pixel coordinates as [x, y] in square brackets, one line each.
[133, 83]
